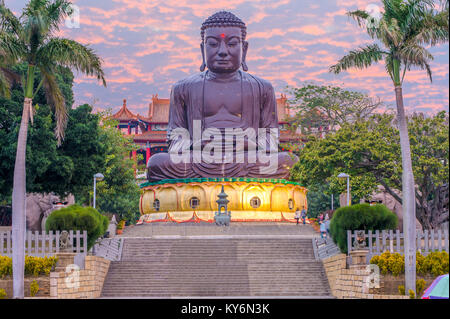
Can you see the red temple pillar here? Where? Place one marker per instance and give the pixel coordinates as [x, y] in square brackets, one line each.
[147, 157]
[129, 129]
[137, 129]
[133, 155]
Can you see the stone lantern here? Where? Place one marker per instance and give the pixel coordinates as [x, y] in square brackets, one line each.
[222, 218]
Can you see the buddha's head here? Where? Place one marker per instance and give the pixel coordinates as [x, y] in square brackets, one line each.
[223, 43]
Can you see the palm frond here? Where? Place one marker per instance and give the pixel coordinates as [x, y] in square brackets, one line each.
[9, 22]
[389, 33]
[416, 55]
[433, 29]
[5, 86]
[55, 99]
[388, 64]
[360, 58]
[393, 9]
[11, 50]
[56, 13]
[360, 16]
[69, 53]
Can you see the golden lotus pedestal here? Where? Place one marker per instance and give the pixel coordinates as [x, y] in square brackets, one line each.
[194, 200]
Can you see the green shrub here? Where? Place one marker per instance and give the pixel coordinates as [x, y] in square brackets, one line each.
[75, 217]
[5, 266]
[34, 266]
[360, 217]
[2, 293]
[420, 286]
[401, 290]
[121, 224]
[34, 288]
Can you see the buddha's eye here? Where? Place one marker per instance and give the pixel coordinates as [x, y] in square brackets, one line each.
[233, 44]
[212, 43]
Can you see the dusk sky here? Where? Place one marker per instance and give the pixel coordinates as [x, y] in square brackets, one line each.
[148, 45]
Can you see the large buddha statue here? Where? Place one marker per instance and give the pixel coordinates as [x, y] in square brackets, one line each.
[222, 99]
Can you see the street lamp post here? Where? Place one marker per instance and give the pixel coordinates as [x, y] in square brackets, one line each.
[343, 175]
[97, 177]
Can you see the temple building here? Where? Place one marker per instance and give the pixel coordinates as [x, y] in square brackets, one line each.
[150, 132]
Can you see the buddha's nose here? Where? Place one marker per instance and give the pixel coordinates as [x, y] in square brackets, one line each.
[222, 50]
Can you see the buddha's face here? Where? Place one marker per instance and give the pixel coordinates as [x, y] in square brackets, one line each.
[223, 49]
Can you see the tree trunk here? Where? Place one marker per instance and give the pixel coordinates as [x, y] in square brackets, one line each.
[19, 205]
[408, 194]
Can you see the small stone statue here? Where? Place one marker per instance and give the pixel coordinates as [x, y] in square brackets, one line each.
[64, 241]
[360, 240]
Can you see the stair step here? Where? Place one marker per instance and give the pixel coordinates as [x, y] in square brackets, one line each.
[216, 267]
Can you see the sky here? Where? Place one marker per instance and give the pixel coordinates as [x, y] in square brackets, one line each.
[148, 45]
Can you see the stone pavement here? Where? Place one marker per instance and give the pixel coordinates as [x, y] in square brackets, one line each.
[208, 229]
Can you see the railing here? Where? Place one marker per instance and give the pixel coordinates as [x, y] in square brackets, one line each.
[388, 240]
[46, 243]
[109, 248]
[324, 248]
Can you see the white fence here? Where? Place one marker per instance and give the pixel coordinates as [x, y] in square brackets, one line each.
[40, 244]
[388, 240]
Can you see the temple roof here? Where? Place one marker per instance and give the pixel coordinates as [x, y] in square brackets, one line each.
[158, 111]
[124, 114]
[151, 136]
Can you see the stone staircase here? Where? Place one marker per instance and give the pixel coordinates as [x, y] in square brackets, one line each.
[216, 267]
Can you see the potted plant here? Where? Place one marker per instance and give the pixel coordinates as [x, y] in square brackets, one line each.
[120, 227]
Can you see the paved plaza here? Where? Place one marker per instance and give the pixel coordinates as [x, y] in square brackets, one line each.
[210, 229]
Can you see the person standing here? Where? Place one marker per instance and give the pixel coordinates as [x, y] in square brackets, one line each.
[297, 214]
[323, 230]
[304, 215]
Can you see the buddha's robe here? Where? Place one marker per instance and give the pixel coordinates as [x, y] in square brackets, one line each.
[189, 102]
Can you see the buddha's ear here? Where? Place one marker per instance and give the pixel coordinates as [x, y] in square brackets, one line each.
[244, 55]
[203, 66]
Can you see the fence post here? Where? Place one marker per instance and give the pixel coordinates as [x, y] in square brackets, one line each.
[383, 234]
[2, 245]
[370, 243]
[50, 241]
[57, 241]
[432, 240]
[419, 241]
[446, 239]
[77, 236]
[349, 241]
[44, 242]
[391, 241]
[85, 242]
[397, 234]
[377, 240]
[426, 241]
[439, 240]
[71, 240]
[36, 243]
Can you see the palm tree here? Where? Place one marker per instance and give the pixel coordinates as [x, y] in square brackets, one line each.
[31, 39]
[403, 30]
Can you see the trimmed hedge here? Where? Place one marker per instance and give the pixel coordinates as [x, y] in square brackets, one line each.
[360, 217]
[76, 217]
